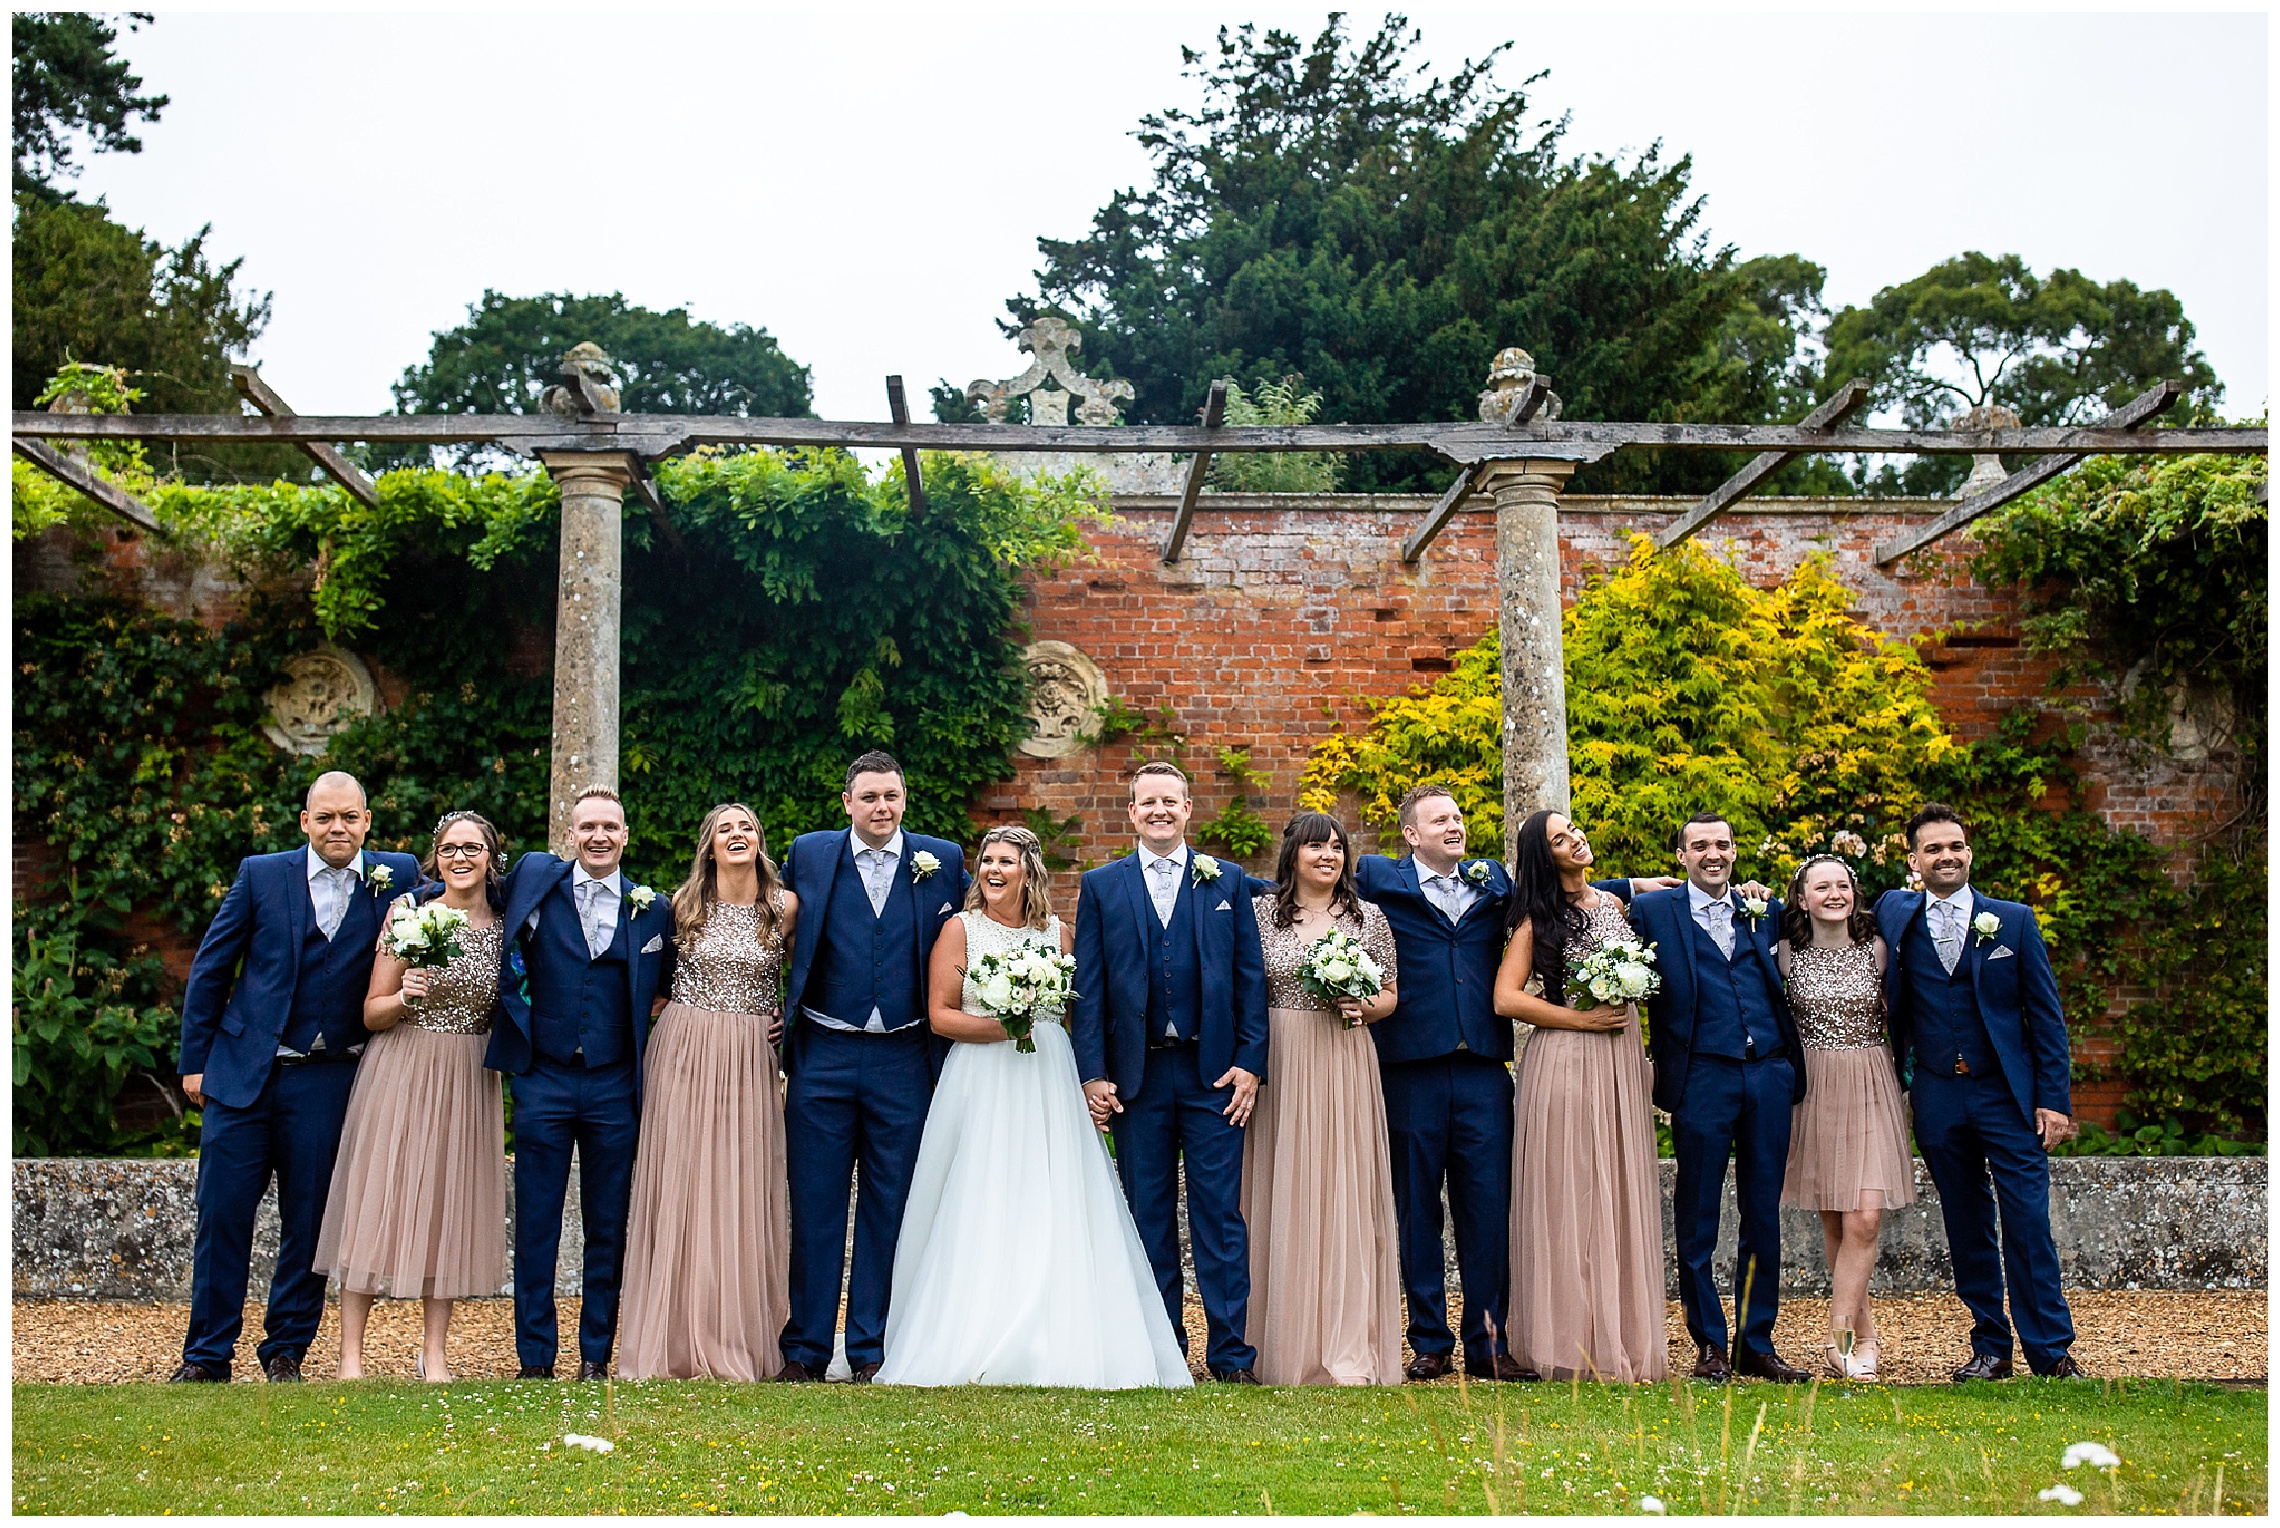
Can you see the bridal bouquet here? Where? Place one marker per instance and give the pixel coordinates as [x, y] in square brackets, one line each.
[1336, 966]
[1016, 985]
[1619, 971]
[426, 938]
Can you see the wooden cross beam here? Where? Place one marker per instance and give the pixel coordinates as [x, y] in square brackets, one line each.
[1524, 408]
[1214, 410]
[2139, 409]
[264, 397]
[1831, 412]
[899, 410]
[72, 472]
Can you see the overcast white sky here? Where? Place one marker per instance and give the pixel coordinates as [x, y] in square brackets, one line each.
[869, 185]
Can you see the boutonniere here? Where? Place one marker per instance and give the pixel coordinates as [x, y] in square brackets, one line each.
[922, 865]
[1477, 872]
[639, 899]
[380, 878]
[1754, 909]
[1986, 926]
[1202, 868]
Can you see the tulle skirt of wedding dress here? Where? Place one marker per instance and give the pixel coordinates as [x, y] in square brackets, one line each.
[1018, 1263]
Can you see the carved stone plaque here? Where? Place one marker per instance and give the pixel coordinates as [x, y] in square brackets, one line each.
[322, 692]
[1064, 688]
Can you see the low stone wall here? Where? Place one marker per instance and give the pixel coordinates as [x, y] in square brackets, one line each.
[91, 1228]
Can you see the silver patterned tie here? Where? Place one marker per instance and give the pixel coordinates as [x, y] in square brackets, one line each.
[1163, 890]
[1722, 926]
[336, 905]
[1948, 936]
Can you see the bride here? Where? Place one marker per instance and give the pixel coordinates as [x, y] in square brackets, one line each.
[1018, 1263]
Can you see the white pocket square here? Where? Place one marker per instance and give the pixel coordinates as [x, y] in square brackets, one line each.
[945, 907]
[1223, 908]
[656, 943]
[2001, 952]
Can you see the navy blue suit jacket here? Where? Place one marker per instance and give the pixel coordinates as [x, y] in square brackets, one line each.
[1116, 922]
[811, 866]
[2017, 992]
[1665, 919]
[240, 991]
[649, 957]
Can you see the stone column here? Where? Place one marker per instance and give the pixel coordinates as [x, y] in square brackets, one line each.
[1528, 622]
[586, 630]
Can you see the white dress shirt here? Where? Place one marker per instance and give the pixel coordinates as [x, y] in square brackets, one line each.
[329, 889]
[1447, 892]
[1719, 925]
[597, 909]
[1164, 892]
[877, 868]
[1950, 920]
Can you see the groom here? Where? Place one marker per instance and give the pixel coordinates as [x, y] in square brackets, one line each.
[860, 1060]
[1170, 1033]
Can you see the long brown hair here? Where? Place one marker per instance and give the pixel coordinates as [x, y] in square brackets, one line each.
[1797, 924]
[1314, 828]
[1036, 886]
[693, 903]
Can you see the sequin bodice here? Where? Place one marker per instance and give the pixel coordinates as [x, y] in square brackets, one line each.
[1286, 947]
[462, 996]
[730, 966]
[1836, 996]
[986, 936]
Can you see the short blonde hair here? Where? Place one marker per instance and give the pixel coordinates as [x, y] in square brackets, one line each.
[1036, 880]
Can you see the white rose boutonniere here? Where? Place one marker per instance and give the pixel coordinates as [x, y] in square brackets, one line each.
[1986, 926]
[639, 898]
[922, 865]
[1477, 872]
[1754, 909]
[380, 878]
[1202, 868]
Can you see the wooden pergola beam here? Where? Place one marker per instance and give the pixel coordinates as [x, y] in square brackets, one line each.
[74, 473]
[1214, 410]
[899, 409]
[1438, 517]
[264, 397]
[1827, 415]
[2139, 409]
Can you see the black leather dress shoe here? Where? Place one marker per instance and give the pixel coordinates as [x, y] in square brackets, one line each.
[196, 1374]
[1984, 1366]
[1432, 1366]
[1710, 1364]
[1504, 1367]
[535, 1371]
[2065, 1368]
[1237, 1377]
[284, 1369]
[587, 1369]
[795, 1373]
[863, 1374]
[1769, 1366]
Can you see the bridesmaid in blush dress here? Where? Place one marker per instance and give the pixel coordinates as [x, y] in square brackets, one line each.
[1317, 1175]
[1586, 1240]
[418, 1205]
[708, 1238]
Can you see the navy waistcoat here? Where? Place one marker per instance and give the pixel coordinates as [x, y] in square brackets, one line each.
[1175, 976]
[865, 959]
[579, 1002]
[329, 992]
[1944, 1018]
[1732, 1005]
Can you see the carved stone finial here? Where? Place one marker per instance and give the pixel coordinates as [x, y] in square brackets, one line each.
[1508, 378]
[1986, 467]
[1050, 340]
[592, 383]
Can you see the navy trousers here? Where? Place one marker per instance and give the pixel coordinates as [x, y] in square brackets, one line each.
[1970, 1130]
[1736, 1111]
[292, 1130]
[1174, 1118]
[1450, 1119]
[598, 1110]
[851, 1100]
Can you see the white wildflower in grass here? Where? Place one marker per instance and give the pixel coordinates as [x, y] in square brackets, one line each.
[1015, 986]
[2062, 1493]
[2095, 1455]
[1336, 966]
[582, 1440]
[426, 937]
[1650, 1504]
[1619, 971]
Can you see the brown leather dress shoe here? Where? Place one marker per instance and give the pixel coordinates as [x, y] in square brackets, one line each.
[1504, 1367]
[284, 1369]
[1710, 1364]
[1983, 1366]
[196, 1374]
[863, 1374]
[1768, 1365]
[795, 1373]
[535, 1371]
[590, 1370]
[1431, 1366]
[1237, 1377]
[2065, 1368]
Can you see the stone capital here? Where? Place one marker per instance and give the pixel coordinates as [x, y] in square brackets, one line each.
[1524, 475]
[591, 471]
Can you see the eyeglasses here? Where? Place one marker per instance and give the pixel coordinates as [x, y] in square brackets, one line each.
[460, 851]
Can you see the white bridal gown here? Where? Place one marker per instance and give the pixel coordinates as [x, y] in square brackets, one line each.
[1018, 1263]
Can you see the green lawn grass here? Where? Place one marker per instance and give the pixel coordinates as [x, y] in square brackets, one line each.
[382, 1446]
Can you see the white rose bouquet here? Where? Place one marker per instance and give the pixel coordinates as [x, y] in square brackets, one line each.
[1016, 986]
[1619, 971]
[1336, 966]
[426, 938]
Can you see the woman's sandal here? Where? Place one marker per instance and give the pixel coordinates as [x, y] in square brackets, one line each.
[1864, 1367]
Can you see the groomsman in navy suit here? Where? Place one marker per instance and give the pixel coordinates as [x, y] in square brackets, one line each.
[1974, 1007]
[1444, 1058]
[1729, 1070]
[860, 1059]
[588, 952]
[1170, 1033]
[272, 1026]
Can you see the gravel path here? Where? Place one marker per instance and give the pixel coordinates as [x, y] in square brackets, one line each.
[2216, 1335]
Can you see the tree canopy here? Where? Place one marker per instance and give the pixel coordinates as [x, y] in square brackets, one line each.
[68, 81]
[1333, 211]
